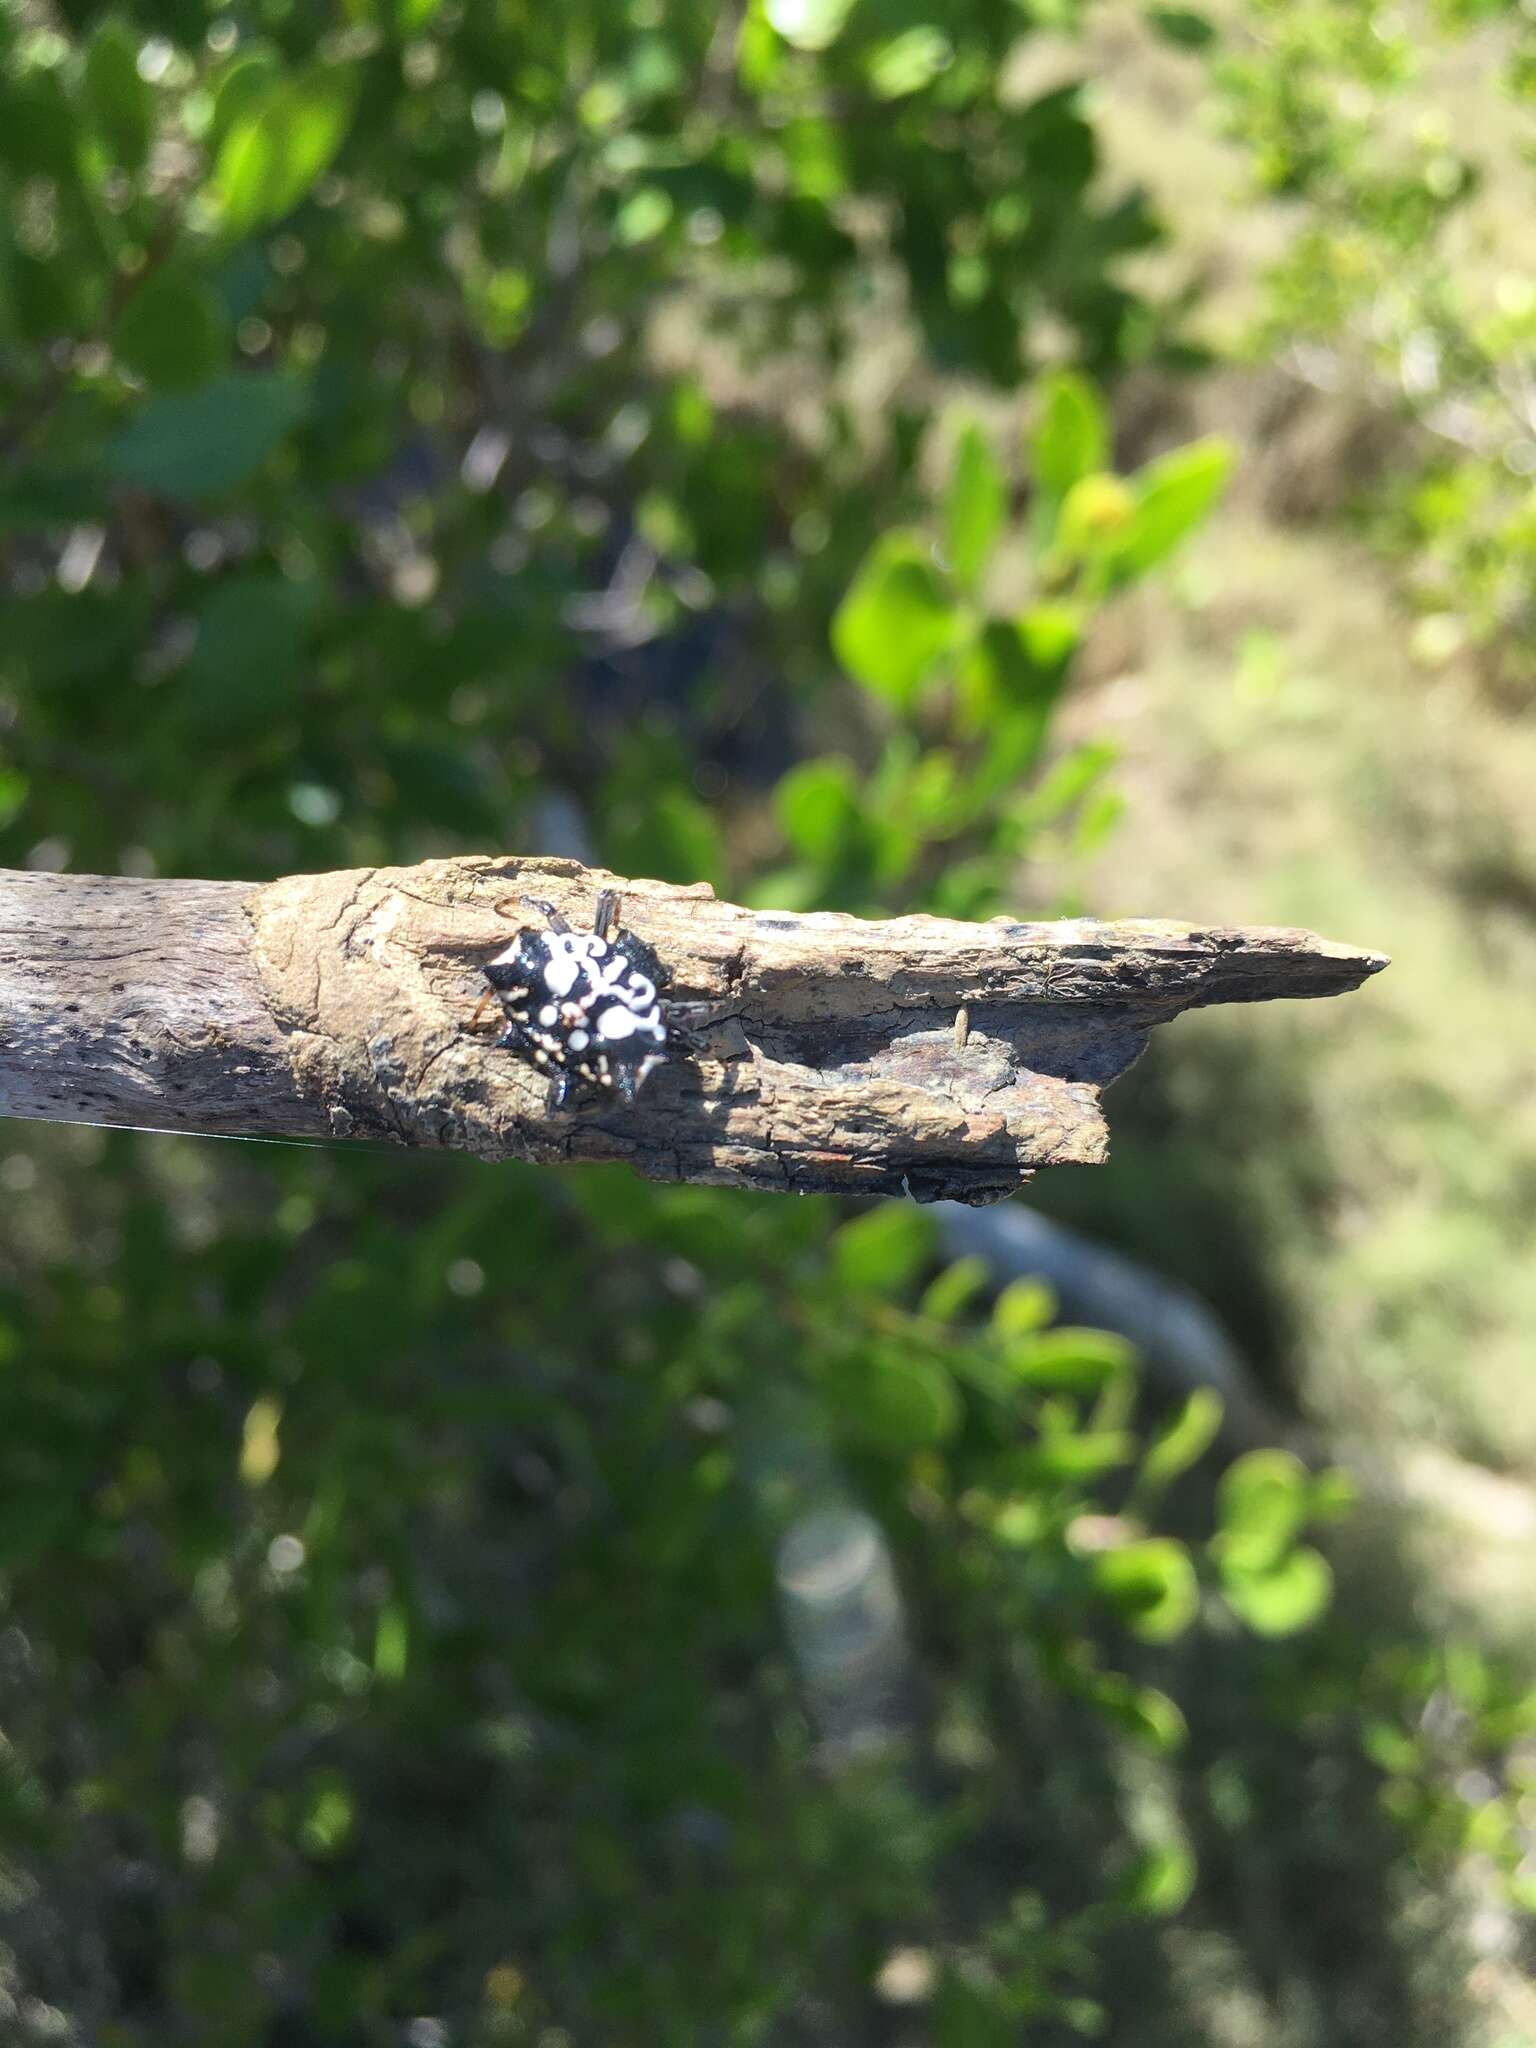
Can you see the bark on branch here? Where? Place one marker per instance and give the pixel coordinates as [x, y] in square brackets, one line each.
[339, 1006]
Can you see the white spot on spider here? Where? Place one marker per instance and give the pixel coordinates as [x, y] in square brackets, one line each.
[579, 1041]
[617, 1022]
[565, 963]
[548, 1014]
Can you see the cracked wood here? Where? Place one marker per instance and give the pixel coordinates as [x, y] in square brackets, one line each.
[340, 1005]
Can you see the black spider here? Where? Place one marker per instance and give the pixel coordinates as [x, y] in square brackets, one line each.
[586, 1007]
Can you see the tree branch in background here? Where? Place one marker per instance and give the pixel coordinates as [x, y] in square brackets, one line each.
[830, 1061]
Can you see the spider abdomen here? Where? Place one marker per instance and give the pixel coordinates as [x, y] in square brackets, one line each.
[583, 1007]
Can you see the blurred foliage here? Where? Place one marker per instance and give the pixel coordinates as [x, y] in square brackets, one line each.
[953, 805]
[1395, 279]
[443, 1607]
[328, 365]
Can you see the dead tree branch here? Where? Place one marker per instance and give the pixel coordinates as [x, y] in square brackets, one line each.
[339, 1006]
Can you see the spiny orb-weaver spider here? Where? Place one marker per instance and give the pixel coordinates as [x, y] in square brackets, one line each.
[585, 1007]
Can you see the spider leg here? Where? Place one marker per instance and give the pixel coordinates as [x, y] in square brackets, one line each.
[556, 922]
[562, 1089]
[689, 1024]
[480, 1010]
[700, 1012]
[628, 1077]
[609, 904]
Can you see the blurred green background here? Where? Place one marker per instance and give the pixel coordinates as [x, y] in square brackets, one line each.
[865, 455]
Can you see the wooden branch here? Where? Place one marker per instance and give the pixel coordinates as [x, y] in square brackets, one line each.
[339, 1006]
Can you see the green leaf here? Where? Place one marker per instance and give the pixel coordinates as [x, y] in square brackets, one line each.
[935, 800]
[330, 1815]
[1097, 818]
[1019, 1524]
[14, 790]
[793, 888]
[1049, 635]
[1183, 1441]
[1152, 1586]
[1261, 1506]
[1069, 1360]
[897, 622]
[38, 130]
[1391, 1748]
[952, 1292]
[908, 62]
[42, 497]
[1333, 1496]
[884, 1250]
[171, 333]
[1022, 1308]
[975, 508]
[1009, 679]
[274, 153]
[1068, 783]
[1182, 27]
[1059, 1460]
[241, 84]
[392, 1643]
[240, 282]
[1020, 660]
[895, 1401]
[817, 807]
[1071, 439]
[642, 216]
[1173, 496]
[971, 2015]
[808, 24]
[245, 664]
[121, 104]
[1159, 1881]
[1097, 518]
[200, 444]
[1278, 1599]
[1148, 1716]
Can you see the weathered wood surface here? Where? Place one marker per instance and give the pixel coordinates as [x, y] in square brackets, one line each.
[340, 1005]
